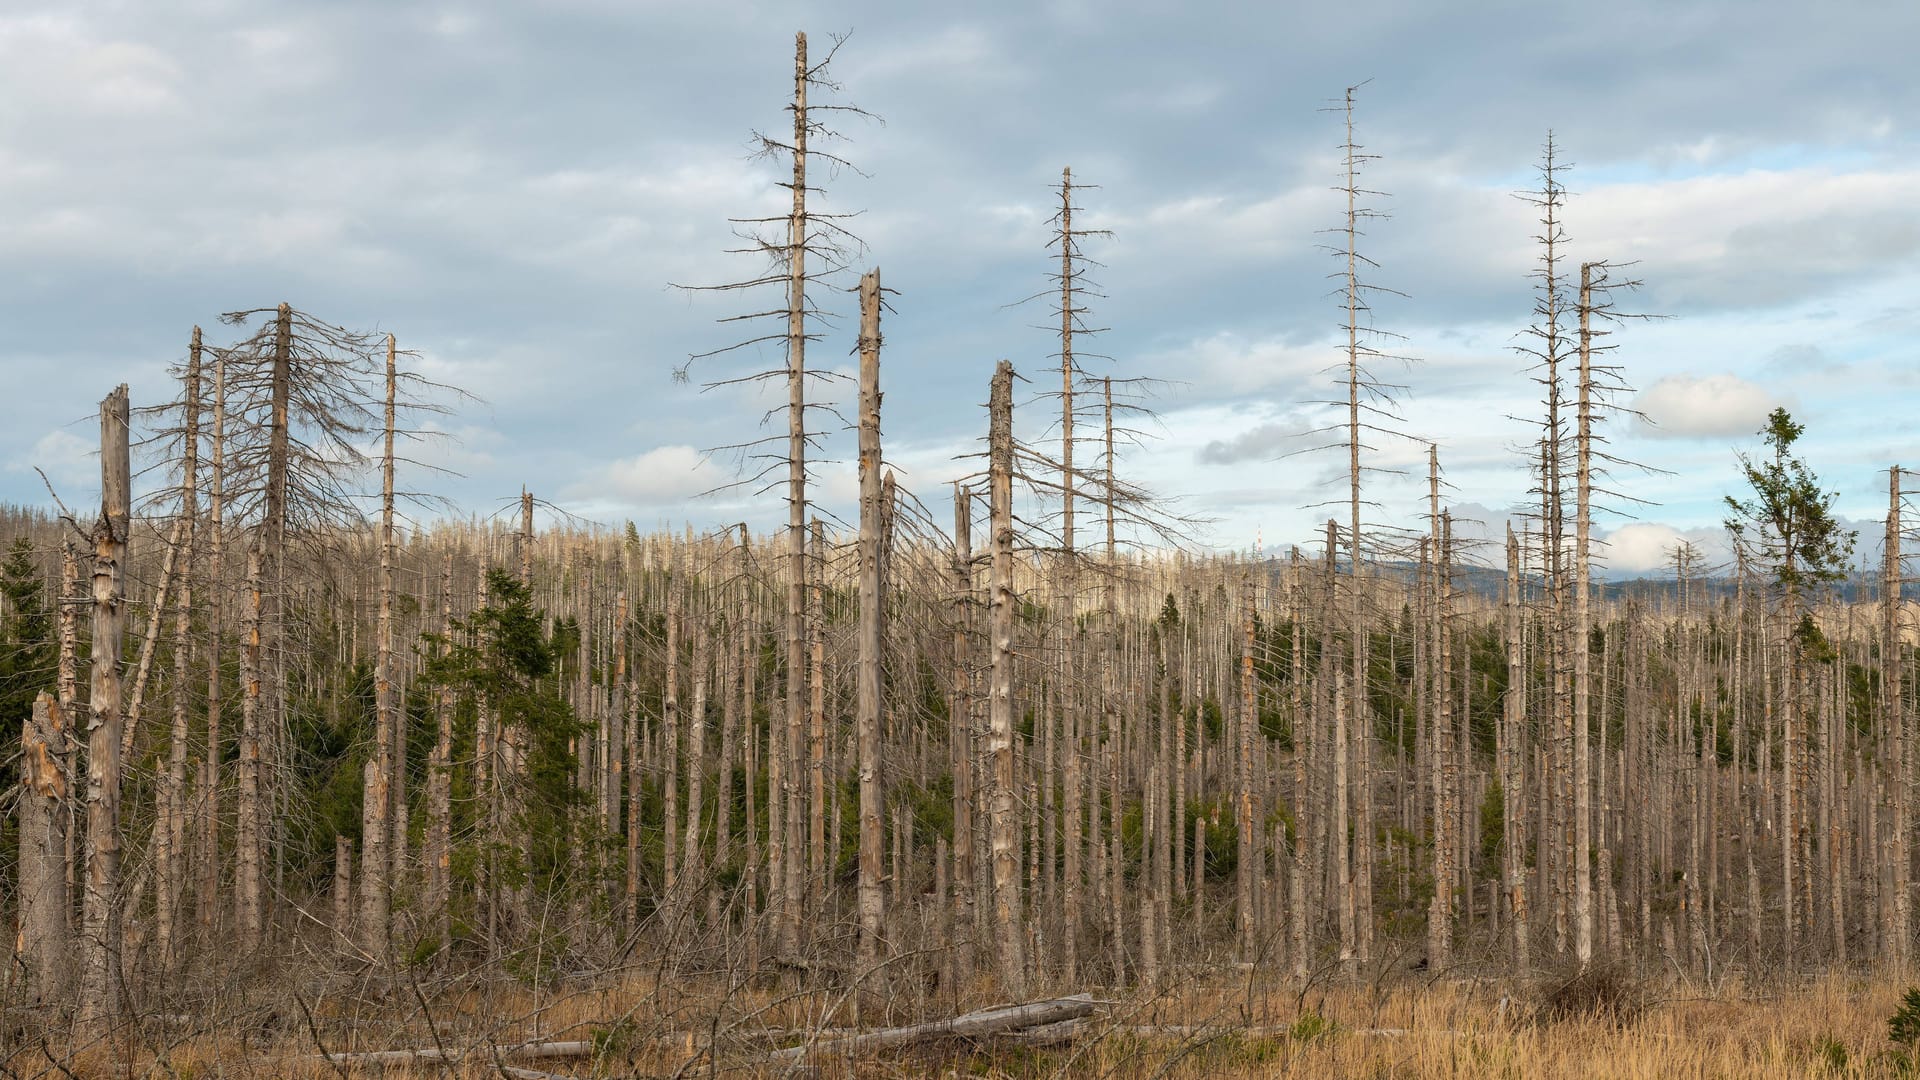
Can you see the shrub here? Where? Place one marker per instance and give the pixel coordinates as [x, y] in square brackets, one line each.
[1599, 991]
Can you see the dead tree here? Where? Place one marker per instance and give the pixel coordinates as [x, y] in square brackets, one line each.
[1004, 823]
[45, 904]
[872, 899]
[815, 247]
[101, 912]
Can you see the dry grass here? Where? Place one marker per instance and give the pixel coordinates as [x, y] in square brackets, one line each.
[1835, 1027]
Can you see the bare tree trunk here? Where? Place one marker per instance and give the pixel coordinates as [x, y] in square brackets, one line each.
[1899, 949]
[45, 903]
[1357, 624]
[791, 897]
[960, 732]
[170, 833]
[247, 847]
[1305, 737]
[216, 619]
[1445, 778]
[1512, 767]
[1340, 824]
[819, 867]
[343, 893]
[67, 697]
[869, 690]
[1581, 634]
[1005, 826]
[439, 831]
[101, 929]
[670, 738]
[692, 872]
[1243, 775]
[377, 792]
[270, 730]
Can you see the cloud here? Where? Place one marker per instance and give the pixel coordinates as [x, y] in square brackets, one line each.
[1693, 407]
[66, 459]
[1262, 442]
[661, 476]
[1646, 547]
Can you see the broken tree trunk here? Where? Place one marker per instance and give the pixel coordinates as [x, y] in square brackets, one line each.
[995, 1021]
[100, 937]
[44, 904]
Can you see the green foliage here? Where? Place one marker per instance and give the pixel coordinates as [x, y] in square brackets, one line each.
[1903, 1027]
[502, 654]
[1277, 726]
[26, 635]
[1308, 1026]
[1788, 526]
[1212, 717]
[1169, 614]
[1832, 1053]
[1493, 825]
[1222, 835]
[27, 647]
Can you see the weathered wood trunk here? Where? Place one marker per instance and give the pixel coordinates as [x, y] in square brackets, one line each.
[101, 911]
[792, 894]
[210, 771]
[869, 689]
[45, 941]
[382, 766]
[1005, 824]
[438, 847]
[170, 826]
[961, 732]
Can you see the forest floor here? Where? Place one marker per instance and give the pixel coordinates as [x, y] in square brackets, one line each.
[1407, 1028]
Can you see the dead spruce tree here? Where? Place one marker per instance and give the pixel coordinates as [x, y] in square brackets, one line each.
[299, 402]
[1368, 408]
[803, 248]
[101, 918]
[872, 900]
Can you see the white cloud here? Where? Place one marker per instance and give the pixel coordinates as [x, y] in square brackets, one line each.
[1688, 406]
[65, 458]
[661, 476]
[1646, 547]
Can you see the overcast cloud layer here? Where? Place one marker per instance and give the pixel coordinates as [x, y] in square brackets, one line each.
[512, 188]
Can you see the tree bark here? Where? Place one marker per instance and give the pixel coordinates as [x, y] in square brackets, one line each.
[1005, 825]
[869, 689]
[45, 904]
[101, 914]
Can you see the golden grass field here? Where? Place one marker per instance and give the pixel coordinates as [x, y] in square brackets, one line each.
[1832, 1027]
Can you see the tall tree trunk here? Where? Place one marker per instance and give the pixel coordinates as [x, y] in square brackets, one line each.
[670, 737]
[1581, 634]
[249, 910]
[1899, 948]
[45, 903]
[791, 896]
[209, 843]
[439, 831]
[377, 793]
[869, 689]
[960, 733]
[1445, 779]
[1005, 825]
[101, 913]
[170, 832]
[1245, 823]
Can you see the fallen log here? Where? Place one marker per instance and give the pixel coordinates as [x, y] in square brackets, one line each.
[434, 1055]
[999, 1020]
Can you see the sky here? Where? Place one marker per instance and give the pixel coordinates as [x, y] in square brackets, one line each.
[515, 190]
